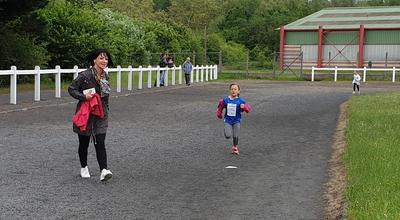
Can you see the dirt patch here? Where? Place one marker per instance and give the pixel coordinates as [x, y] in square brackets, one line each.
[336, 185]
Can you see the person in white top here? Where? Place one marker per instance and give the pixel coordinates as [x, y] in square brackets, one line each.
[356, 82]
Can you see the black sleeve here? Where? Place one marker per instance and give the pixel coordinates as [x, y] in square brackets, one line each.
[75, 88]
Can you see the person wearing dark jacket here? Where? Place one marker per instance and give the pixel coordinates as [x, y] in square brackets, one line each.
[89, 82]
[163, 64]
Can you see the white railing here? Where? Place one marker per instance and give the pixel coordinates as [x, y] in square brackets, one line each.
[364, 70]
[210, 71]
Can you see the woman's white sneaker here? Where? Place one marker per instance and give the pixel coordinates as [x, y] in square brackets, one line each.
[85, 172]
[105, 175]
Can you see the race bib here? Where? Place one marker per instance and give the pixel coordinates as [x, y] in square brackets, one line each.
[231, 109]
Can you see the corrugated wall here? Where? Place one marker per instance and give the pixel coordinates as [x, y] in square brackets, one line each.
[382, 37]
[347, 52]
[377, 44]
[310, 52]
[342, 37]
[301, 38]
[378, 52]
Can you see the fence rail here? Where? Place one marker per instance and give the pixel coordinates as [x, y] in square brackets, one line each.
[198, 74]
[364, 70]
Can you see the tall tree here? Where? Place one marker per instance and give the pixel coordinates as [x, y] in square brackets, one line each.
[141, 9]
[194, 14]
[237, 14]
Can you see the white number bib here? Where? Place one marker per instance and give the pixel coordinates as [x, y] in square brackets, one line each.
[231, 109]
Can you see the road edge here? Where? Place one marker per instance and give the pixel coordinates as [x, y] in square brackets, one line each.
[335, 188]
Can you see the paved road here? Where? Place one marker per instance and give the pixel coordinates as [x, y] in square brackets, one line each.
[168, 155]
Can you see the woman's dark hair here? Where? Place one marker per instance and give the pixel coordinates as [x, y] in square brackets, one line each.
[95, 53]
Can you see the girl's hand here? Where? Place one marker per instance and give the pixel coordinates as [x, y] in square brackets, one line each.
[241, 106]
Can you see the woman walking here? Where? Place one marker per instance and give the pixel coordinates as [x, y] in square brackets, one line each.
[92, 89]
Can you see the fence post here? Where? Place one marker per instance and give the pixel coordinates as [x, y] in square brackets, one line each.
[37, 83]
[216, 72]
[312, 74]
[58, 82]
[173, 75]
[197, 73]
[180, 75]
[365, 74]
[13, 85]
[118, 78]
[76, 71]
[206, 72]
[166, 77]
[335, 73]
[130, 78]
[149, 78]
[140, 84]
[202, 74]
[158, 76]
[394, 74]
[211, 72]
[192, 75]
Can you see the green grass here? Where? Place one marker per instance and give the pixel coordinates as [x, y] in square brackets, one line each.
[372, 157]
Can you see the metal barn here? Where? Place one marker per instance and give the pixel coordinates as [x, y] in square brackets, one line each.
[343, 37]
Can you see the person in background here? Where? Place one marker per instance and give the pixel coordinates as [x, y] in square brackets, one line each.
[92, 88]
[170, 62]
[163, 64]
[187, 68]
[356, 82]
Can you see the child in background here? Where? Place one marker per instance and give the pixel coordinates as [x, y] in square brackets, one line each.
[233, 106]
[356, 82]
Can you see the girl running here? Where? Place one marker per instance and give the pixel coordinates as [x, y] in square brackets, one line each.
[233, 106]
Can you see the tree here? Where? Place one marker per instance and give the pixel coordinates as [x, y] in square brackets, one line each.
[19, 44]
[12, 9]
[237, 14]
[140, 9]
[195, 14]
[160, 5]
[342, 3]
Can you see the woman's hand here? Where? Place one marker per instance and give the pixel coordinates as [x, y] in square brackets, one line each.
[88, 96]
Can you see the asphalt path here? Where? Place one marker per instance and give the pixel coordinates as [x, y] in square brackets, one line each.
[169, 157]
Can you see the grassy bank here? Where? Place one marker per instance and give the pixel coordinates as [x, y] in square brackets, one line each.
[372, 157]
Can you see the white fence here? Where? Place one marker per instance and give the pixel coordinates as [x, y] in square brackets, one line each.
[364, 70]
[198, 74]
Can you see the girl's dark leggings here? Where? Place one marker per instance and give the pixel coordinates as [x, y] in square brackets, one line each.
[101, 153]
[354, 87]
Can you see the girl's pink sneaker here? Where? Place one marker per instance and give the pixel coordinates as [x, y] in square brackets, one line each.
[235, 150]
